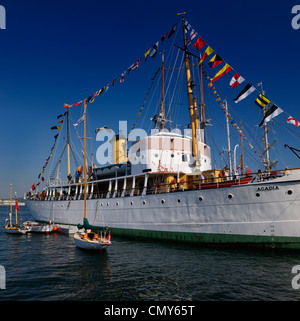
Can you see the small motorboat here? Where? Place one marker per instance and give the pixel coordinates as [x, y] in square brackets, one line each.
[36, 227]
[91, 241]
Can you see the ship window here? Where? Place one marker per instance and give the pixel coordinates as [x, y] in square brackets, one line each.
[144, 202]
[172, 155]
[200, 198]
[184, 157]
[162, 201]
[131, 203]
[156, 155]
[107, 204]
[117, 203]
[178, 200]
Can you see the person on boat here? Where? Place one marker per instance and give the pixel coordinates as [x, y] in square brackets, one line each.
[212, 177]
[225, 176]
[201, 178]
[259, 176]
[77, 175]
[69, 177]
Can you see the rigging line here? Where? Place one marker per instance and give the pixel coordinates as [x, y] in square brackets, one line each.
[171, 76]
[175, 86]
[54, 152]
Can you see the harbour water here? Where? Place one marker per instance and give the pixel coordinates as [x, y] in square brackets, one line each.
[50, 267]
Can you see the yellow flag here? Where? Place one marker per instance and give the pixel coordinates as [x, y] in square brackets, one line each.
[221, 73]
[147, 53]
[207, 52]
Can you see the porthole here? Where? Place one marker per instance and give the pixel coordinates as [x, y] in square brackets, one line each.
[101, 204]
[162, 201]
[172, 155]
[117, 203]
[290, 192]
[178, 200]
[200, 198]
[144, 202]
[257, 194]
[156, 155]
[107, 204]
[131, 203]
[230, 196]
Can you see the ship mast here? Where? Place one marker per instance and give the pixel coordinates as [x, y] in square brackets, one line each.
[228, 140]
[163, 91]
[10, 198]
[84, 148]
[190, 93]
[202, 123]
[68, 142]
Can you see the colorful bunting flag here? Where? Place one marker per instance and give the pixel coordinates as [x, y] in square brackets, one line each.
[215, 61]
[270, 114]
[293, 121]
[56, 127]
[207, 52]
[147, 54]
[236, 80]
[154, 51]
[261, 101]
[244, 93]
[163, 38]
[61, 115]
[193, 34]
[77, 104]
[172, 31]
[199, 43]
[122, 76]
[222, 72]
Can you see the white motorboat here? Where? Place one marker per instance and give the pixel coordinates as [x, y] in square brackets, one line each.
[91, 241]
[36, 227]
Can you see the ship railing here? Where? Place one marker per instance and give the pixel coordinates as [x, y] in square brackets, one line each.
[141, 185]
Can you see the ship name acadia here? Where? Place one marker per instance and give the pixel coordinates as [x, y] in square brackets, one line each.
[267, 188]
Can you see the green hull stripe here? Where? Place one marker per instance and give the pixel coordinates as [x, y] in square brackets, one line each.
[230, 240]
[224, 240]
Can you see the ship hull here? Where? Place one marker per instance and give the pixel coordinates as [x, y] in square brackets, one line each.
[261, 214]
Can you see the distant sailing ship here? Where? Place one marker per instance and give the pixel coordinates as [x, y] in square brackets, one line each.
[174, 193]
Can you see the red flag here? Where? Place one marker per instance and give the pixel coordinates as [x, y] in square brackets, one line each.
[199, 43]
[293, 121]
[236, 80]
[16, 204]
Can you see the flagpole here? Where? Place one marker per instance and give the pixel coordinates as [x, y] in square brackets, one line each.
[84, 140]
[163, 90]
[190, 93]
[266, 143]
[68, 144]
[228, 139]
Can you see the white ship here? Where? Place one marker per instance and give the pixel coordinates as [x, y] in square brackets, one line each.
[170, 191]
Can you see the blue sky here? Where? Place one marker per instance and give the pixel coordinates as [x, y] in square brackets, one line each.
[56, 52]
